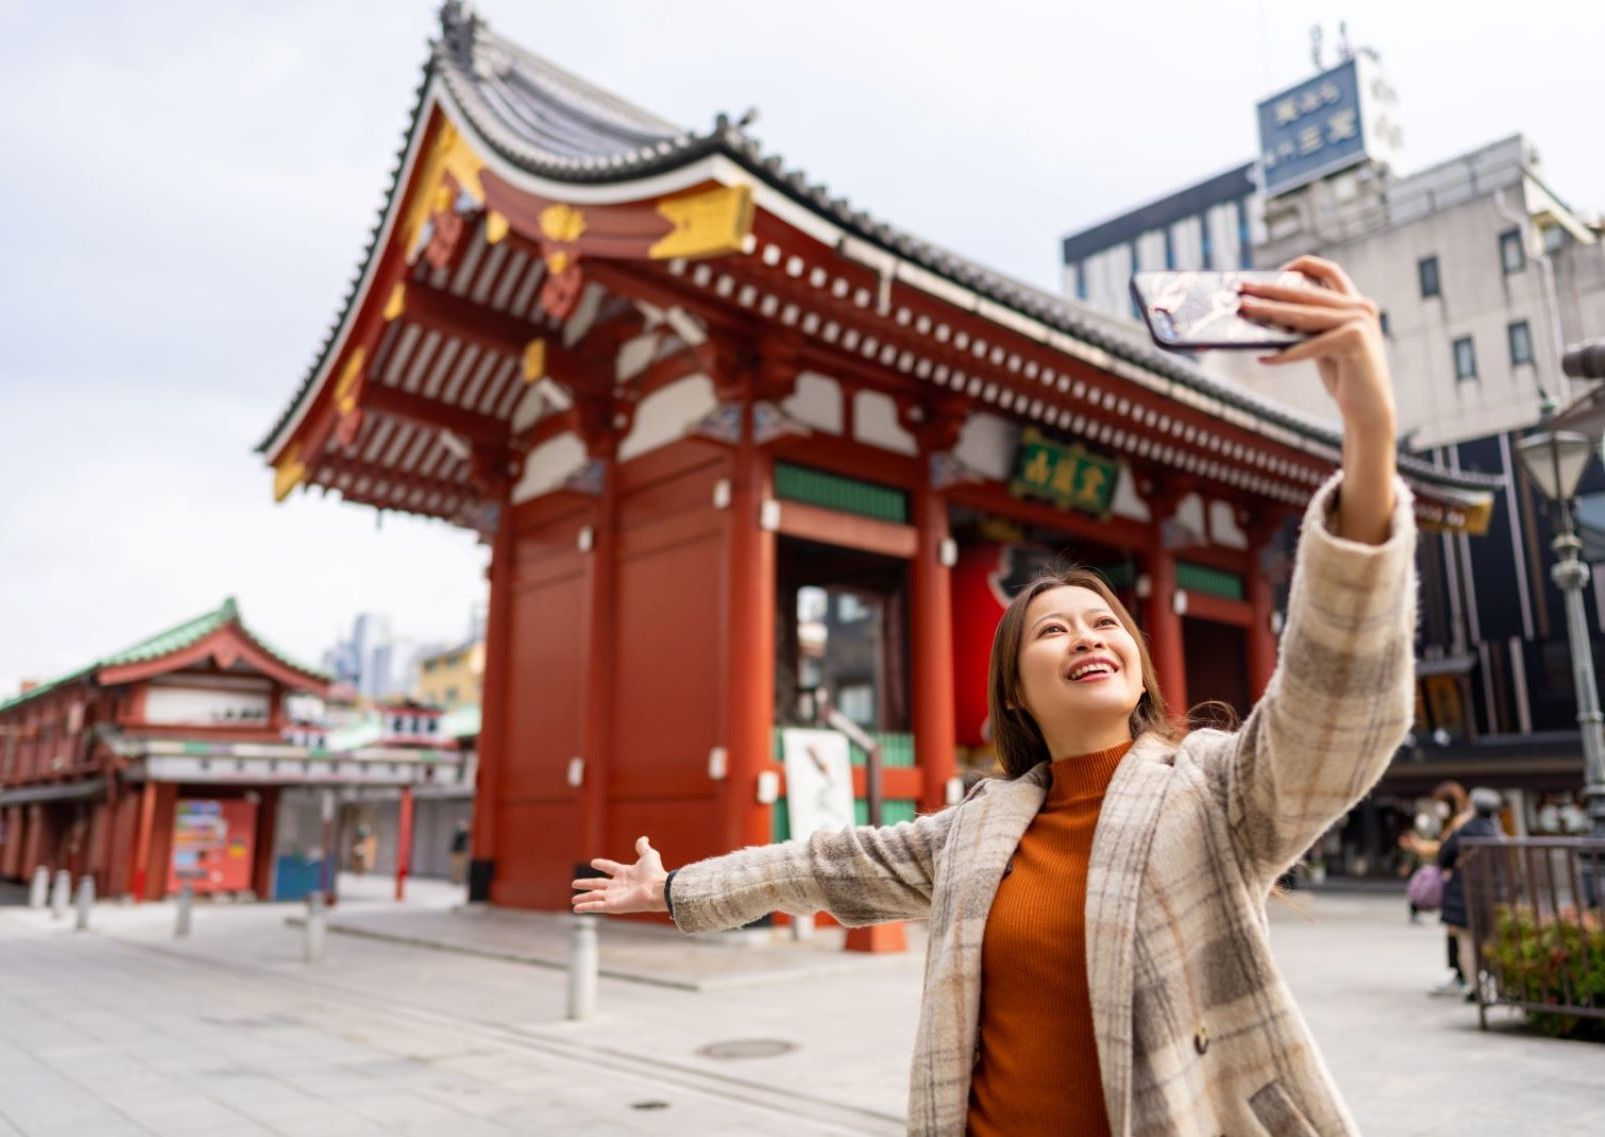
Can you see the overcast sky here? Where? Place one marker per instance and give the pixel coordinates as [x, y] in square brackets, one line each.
[187, 186]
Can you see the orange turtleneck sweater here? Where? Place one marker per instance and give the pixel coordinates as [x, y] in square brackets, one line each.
[1038, 1067]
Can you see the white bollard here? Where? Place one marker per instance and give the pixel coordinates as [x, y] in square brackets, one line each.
[186, 901]
[39, 891]
[86, 901]
[61, 894]
[582, 966]
[802, 927]
[317, 926]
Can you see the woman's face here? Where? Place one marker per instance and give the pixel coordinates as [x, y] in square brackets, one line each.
[1077, 661]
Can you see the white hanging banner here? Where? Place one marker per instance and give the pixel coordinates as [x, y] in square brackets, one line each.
[819, 781]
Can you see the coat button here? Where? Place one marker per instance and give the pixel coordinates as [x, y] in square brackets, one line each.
[1201, 1039]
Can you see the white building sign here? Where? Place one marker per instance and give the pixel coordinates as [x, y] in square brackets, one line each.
[819, 781]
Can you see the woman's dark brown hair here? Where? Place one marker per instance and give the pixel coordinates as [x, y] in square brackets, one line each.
[1019, 741]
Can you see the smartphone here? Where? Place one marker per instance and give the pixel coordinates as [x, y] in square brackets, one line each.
[1197, 311]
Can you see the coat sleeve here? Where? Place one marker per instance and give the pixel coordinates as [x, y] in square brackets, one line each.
[1342, 696]
[863, 875]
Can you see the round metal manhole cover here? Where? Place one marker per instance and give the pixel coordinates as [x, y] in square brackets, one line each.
[747, 1048]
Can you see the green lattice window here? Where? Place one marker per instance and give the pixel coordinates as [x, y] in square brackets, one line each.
[1213, 581]
[845, 495]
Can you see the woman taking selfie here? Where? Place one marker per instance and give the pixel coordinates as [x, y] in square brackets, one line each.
[1098, 959]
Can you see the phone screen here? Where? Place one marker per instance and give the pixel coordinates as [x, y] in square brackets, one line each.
[1195, 311]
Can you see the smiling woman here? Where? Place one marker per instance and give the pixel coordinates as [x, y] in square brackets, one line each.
[1070, 674]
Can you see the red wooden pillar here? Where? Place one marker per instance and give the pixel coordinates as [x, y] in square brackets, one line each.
[1161, 619]
[142, 839]
[601, 591]
[492, 741]
[1261, 638]
[267, 824]
[403, 842]
[749, 635]
[33, 854]
[936, 426]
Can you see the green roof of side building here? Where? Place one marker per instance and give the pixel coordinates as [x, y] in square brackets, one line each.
[165, 643]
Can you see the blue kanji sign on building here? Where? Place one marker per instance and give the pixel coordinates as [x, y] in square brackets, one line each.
[1324, 125]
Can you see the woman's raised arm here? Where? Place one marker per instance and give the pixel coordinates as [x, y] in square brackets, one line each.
[1342, 697]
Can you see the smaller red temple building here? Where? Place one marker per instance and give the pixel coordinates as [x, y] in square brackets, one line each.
[168, 763]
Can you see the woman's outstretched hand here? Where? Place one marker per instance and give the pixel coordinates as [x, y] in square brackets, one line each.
[1346, 346]
[625, 888]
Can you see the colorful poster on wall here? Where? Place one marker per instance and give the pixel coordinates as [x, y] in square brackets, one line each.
[819, 781]
[213, 845]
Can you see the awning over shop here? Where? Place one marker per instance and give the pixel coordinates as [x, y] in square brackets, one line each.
[160, 760]
[71, 791]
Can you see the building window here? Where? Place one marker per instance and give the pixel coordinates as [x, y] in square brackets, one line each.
[857, 702]
[1427, 269]
[1387, 328]
[1081, 280]
[1208, 251]
[1521, 343]
[1245, 251]
[1512, 257]
[850, 609]
[1170, 250]
[1465, 358]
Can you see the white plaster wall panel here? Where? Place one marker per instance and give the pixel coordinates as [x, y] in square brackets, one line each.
[817, 401]
[987, 445]
[1126, 503]
[875, 423]
[548, 465]
[665, 415]
[1223, 526]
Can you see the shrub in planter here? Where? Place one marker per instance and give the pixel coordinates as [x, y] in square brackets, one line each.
[1541, 958]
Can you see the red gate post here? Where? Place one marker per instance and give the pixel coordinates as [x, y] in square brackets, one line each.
[404, 843]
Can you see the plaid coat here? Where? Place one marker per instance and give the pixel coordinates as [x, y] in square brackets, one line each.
[1197, 1033]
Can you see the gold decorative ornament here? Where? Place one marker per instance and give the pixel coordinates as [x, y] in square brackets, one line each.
[495, 227]
[534, 360]
[345, 391]
[707, 224]
[288, 472]
[562, 223]
[397, 304]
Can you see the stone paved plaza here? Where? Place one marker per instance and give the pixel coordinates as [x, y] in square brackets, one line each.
[125, 1030]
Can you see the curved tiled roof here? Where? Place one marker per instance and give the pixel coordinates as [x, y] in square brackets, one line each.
[551, 123]
[165, 643]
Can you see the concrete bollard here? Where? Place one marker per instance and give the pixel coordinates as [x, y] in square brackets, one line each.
[583, 961]
[39, 891]
[317, 926]
[186, 901]
[86, 901]
[61, 894]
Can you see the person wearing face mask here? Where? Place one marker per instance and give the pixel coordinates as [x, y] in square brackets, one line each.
[1451, 808]
[1098, 958]
[1483, 822]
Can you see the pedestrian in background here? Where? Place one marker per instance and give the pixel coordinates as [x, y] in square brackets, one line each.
[1451, 809]
[1098, 958]
[1485, 804]
[459, 853]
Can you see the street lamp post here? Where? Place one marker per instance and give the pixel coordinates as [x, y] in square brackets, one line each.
[1554, 461]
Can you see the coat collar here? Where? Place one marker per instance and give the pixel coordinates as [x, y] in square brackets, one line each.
[1131, 811]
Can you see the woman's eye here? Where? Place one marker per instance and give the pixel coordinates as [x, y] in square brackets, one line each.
[1052, 628]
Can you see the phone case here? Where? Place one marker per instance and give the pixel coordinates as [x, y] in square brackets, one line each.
[1197, 311]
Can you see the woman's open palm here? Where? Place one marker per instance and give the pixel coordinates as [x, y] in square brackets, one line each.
[625, 888]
